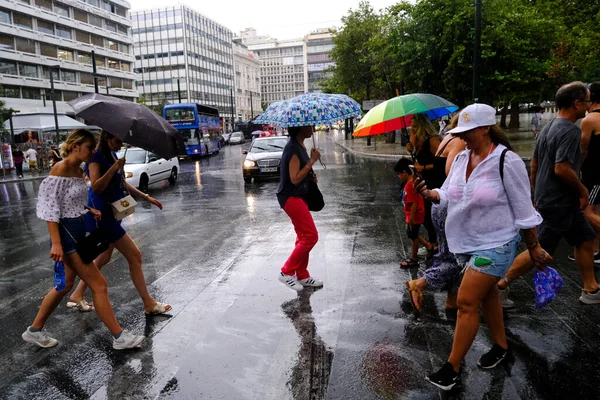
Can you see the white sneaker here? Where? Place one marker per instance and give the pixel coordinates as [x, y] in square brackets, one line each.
[310, 282]
[590, 298]
[503, 296]
[127, 340]
[290, 281]
[40, 338]
[422, 252]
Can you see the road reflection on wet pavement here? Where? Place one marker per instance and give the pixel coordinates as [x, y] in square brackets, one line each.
[235, 332]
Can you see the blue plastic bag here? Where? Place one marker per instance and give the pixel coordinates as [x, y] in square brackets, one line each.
[547, 284]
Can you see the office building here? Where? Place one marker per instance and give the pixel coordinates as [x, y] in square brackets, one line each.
[182, 56]
[318, 47]
[40, 36]
[247, 82]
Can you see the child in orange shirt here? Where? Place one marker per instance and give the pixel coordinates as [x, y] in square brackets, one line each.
[414, 209]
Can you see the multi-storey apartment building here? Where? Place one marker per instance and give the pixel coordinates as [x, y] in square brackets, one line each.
[181, 54]
[247, 82]
[39, 37]
[318, 46]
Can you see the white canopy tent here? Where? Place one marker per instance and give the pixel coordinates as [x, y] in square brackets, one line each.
[43, 122]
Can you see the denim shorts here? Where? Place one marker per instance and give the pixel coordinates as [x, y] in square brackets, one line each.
[501, 258]
[76, 232]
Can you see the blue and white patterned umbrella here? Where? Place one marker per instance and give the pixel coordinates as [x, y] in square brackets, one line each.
[310, 109]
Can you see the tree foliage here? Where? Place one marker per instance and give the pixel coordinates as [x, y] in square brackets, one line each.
[528, 49]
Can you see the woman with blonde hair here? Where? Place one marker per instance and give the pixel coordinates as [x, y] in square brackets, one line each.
[423, 145]
[105, 172]
[62, 204]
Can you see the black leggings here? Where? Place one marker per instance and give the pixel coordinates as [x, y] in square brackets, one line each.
[19, 167]
[428, 224]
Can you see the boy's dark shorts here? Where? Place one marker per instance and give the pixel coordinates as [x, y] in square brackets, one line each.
[569, 223]
[413, 234]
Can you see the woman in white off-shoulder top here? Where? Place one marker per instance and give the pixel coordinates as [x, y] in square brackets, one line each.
[61, 203]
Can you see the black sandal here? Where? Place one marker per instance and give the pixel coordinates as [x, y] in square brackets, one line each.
[409, 263]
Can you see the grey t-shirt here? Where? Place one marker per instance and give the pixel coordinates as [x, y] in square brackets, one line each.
[559, 141]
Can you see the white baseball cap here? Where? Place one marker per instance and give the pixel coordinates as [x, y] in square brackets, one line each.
[474, 116]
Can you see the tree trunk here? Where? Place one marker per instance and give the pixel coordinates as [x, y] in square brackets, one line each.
[514, 115]
[503, 114]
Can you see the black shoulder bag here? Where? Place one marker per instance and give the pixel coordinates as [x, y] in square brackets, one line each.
[314, 197]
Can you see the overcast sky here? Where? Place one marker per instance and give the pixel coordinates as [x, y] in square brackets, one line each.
[280, 19]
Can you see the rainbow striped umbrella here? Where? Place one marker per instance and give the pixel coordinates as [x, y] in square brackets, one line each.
[397, 113]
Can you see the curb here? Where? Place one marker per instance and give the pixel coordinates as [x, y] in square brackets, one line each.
[32, 178]
[370, 155]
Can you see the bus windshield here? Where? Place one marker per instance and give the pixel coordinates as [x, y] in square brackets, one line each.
[180, 114]
[190, 136]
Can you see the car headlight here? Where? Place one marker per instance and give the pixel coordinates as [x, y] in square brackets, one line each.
[249, 164]
[128, 174]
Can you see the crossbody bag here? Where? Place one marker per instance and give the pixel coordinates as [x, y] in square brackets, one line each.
[126, 205]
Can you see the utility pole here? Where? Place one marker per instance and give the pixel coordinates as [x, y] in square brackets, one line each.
[178, 91]
[477, 51]
[251, 107]
[94, 72]
[54, 103]
[231, 99]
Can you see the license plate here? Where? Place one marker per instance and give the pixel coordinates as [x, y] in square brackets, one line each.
[273, 169]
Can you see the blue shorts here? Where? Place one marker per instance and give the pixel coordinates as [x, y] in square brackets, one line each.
[501, 258]
[112, 229]
[76, 232]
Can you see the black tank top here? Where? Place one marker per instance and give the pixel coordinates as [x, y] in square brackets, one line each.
[439, 166]
[590, 170]
[425, 157]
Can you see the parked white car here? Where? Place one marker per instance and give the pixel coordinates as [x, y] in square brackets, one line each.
[143, 168]
[237, 138]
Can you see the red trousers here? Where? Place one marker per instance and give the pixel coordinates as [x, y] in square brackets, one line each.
[306, 237]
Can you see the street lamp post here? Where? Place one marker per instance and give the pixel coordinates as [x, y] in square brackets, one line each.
[12, 129]
[54, 102]
[178, 91]
[477, 50]
[251, 106]
[94, 73]
[231, 100]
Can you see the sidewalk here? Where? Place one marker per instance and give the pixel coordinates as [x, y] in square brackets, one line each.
[11, 177]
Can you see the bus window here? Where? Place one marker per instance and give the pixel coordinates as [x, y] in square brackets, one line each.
[180, 114]
[190, 136]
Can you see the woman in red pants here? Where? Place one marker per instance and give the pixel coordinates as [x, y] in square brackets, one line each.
[296, 170]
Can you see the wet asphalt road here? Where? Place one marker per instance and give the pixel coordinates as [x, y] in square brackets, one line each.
[235, 332]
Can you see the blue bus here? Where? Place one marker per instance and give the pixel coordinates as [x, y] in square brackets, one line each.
[200, 126]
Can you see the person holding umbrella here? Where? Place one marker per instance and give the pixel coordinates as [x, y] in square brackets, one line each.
[107, 185]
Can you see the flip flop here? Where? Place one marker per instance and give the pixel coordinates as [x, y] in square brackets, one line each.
[82, 305]
[409, 263]
[416, 304]
[159, 308]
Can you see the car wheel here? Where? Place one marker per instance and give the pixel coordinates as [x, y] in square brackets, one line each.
[173, 177]
[248, 179]
[143, 183]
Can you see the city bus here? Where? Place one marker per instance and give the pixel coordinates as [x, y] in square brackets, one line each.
[200, 126]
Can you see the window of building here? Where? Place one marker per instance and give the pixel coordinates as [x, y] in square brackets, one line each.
[31, 93]
[24, 21]
[82, 37]
[86, 78]
[116, 82]
[25, 45]
[80, 15]
[28, 70]
[47, 4]
[113, 64]
[10, 91]
[68, 76]
[46, 73]
[63, 31]
[105, 5]
[65, 54]
[123, 48]
[127, 84]
[45, 26]
[111, 26]
[122, 29]
[95, 20]
[100, 61]
[5, 16]
[57, 95]
[125, 66]
[61, 10]
[68, 96]
[84, 58]
[111, 45]
[93, 2]
[7, 42]
[48, 50]
[98, 40]
[121, 11]
[8, 67]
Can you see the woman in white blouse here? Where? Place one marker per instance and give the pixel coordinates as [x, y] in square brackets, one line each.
[485, 214]
[62, 204]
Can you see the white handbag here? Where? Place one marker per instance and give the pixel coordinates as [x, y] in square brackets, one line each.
[125, 206]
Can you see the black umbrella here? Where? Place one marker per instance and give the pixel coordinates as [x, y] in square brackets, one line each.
[133, 123]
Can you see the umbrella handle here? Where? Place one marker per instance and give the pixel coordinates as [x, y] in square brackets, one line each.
[315, 146]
